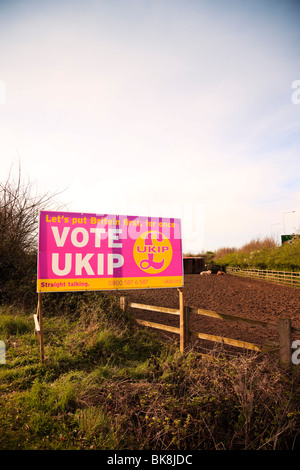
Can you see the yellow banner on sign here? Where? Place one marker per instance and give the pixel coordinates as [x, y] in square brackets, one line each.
[67, 285]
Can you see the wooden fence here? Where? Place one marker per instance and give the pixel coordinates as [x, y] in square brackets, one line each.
[278, 277]
[284, 328]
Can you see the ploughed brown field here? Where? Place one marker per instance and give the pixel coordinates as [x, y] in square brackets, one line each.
[256, 299]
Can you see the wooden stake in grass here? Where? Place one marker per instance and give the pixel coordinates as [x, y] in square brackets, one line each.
[39, 322]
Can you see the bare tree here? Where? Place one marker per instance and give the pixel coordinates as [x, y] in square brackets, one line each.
[19, 210]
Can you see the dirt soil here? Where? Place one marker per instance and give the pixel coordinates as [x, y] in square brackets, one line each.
[229, 294]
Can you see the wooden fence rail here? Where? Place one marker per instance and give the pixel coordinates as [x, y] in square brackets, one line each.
[284, 328]
[277, 277]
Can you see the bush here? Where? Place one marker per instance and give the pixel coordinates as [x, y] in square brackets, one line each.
[19, 210]
[263, 254]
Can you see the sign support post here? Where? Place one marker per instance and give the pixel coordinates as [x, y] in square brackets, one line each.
[38, 321]
[182, 321]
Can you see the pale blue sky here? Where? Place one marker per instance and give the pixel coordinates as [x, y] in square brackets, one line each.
[160, 108]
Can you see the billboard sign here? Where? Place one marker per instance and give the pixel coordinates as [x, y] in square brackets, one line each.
[81, 252]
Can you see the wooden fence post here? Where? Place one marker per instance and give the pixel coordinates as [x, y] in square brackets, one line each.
[123, 303]
[187, 312]
[182, 322]
[285, 341]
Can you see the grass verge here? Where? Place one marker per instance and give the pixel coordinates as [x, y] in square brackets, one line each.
[108, 384]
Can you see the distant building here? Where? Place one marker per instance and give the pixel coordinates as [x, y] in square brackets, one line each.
[193, 265]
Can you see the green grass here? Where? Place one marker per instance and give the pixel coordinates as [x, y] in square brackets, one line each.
[108, 384]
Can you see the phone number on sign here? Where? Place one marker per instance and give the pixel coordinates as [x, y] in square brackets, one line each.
[127, 282]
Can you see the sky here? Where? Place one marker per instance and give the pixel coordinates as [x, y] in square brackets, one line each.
[170, 108]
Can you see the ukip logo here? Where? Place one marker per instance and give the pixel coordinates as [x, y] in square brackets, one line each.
[152, 252]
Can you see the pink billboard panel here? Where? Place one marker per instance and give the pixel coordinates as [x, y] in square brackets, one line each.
[79, 252]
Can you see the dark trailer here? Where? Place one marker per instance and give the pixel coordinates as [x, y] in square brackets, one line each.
[193, 265]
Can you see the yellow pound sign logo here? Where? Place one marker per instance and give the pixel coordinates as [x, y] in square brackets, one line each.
[152, 252]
